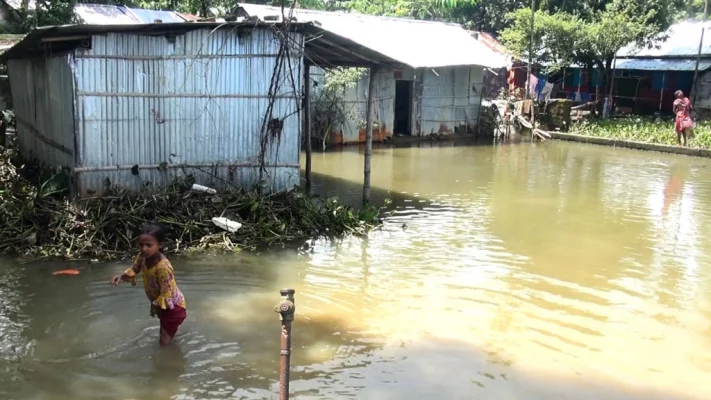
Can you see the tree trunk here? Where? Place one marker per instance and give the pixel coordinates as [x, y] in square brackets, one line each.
[204, 8]
[590, 71]
[605, 67]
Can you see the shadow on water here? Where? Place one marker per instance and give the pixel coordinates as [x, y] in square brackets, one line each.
[351, 193]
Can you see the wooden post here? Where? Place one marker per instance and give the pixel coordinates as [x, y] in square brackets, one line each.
[692, 95]
[661, 93]
[368, 135]
[607, 110]
[530, 49]
[306, 106]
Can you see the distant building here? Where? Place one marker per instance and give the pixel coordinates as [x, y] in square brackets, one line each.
[646, 78]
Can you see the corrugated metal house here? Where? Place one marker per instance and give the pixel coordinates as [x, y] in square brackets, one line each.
[646, 78]
[432, 81]
[140, 104]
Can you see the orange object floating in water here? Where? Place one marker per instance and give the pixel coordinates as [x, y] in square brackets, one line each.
[66, 272]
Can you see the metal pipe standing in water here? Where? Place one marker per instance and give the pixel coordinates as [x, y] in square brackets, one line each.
[286, 311]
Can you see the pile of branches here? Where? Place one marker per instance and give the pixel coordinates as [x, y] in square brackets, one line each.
[40, 221]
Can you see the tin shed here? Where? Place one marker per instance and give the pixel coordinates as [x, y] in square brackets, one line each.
[429, 79]
[137, 105]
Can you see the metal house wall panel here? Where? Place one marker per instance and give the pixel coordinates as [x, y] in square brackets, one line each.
[42, 94]
[448, 102]
[355, 99]
[197, 99]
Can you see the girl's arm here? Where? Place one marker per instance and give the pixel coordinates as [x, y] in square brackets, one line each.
[128, 275]
[166, 280]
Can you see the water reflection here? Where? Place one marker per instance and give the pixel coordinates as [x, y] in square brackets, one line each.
[509, 272]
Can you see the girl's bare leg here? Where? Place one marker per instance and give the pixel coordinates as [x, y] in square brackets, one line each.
[684, 135]
[165, 338]
[678, 138]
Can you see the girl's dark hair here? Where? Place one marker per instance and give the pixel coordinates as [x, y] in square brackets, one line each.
[154, 230]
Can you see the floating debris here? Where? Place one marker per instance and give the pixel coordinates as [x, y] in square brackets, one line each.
[204, 189]
[39, 221]
[66, 272]
[226, 224]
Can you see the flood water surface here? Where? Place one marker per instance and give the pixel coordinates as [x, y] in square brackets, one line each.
[547, 271]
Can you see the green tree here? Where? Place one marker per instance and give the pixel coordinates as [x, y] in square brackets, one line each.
[420, 9]
[590, 38]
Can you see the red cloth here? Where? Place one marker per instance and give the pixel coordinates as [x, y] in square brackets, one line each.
[171, 319]
[682, 109]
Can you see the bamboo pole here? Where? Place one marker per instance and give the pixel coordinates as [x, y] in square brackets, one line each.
[368, 135]
[607, 110]
[530, 49]
[698, 55]
[661, 93]
[306, 106]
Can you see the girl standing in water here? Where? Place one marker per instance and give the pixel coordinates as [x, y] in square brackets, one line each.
[683, 123]
[167, 302]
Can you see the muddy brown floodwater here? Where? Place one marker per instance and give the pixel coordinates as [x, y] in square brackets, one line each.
[547, 271]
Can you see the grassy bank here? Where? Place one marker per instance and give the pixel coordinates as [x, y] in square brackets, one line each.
[646, 130]
[39, 221]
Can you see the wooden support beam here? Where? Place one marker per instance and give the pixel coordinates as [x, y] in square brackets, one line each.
[369, 134]
[306, 107]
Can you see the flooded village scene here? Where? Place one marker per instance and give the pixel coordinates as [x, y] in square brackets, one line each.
[387, 199]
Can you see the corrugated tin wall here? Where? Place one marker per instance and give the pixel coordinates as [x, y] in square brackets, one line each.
[198, 100]
[353, 131]
[42, 94]
[356, 102]
[703, 92]
[443, 102]
[447, 102]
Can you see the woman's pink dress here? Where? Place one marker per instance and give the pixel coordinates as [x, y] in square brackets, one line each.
[682, 109]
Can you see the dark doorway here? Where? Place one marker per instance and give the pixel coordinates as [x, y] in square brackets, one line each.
[403, 105]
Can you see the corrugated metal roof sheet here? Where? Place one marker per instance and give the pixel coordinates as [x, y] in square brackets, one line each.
[150, 16]
[32, 42]
[101, 14]
[683, 41]
[490, 41]
[8, 40]
[418, 44]
[189, 17]
[658, 64]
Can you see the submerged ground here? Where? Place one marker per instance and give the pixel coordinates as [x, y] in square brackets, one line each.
[543, 271]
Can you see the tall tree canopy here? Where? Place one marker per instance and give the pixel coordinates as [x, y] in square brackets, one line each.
[589, 36]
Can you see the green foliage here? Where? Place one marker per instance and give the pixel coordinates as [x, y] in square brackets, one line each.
[339, 79]
[647, 130]
[591, 36]
[328, 108]
[39, 220]
[556, 36]
[420, 9]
